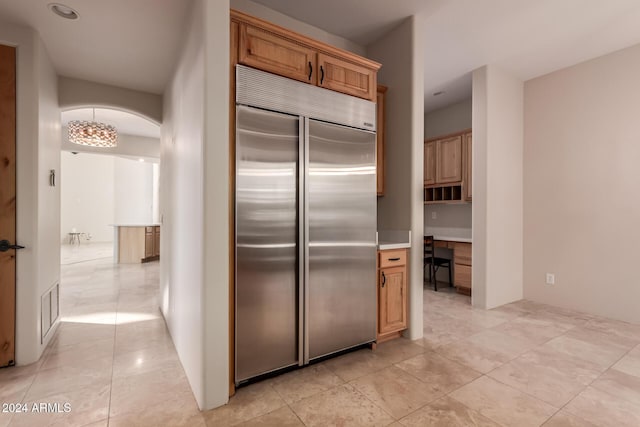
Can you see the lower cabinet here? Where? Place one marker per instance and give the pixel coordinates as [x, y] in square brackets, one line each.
[392, 293]
[138, 244]
[462, 267]
[151, 243]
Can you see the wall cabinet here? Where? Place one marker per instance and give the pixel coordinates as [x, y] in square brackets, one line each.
[447, 168]
[429, 163]
[449, 160]
[467, 165]
[462, 267]
[280, 51]
[343, 76]
[380, 106]
[275, 54]
[392, 293]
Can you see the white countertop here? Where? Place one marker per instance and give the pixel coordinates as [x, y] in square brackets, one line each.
[451, 234]
[394, 239]
[453, 239]
[135, 225]
[383, 246]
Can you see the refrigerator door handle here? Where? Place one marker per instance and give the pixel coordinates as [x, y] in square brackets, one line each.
[305, 245]
[301, 248]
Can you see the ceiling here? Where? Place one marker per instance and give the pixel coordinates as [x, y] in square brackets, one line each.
[125, 123]
[135, 43]
[128, 43]
[530, 38]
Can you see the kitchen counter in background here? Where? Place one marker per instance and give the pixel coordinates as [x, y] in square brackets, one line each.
[394, 239]
[450, 234]
[135, 243]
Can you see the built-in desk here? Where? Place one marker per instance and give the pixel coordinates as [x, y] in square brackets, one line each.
[461, 248]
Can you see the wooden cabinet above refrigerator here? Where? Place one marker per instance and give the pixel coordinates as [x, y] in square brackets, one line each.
[277, 50]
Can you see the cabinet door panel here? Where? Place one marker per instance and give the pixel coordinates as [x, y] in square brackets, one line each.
[462, 253]
[429, 163]
[393, 301]
[342, 76]
[275, 54]
[449, 160]
[380, 139]
[148, 245]
[462, 275]
[156, 241]
[468, 165]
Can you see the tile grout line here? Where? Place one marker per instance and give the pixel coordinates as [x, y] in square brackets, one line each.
[511, 360]
[604, 372]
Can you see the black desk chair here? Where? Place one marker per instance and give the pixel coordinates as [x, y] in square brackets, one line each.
[434, 262]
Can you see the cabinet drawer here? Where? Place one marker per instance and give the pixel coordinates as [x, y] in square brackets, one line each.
[392, 258]
[462, 275]
[462, 253]
[442, 244]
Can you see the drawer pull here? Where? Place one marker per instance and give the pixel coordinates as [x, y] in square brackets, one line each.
[393, 259]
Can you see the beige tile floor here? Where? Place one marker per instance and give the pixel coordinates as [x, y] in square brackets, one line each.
[523, 364]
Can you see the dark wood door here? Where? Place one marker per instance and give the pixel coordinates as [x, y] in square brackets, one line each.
[7, 203]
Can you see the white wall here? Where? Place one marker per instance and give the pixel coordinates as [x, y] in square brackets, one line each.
[100, 189]
[128, 145]
[497, 187]
[581, 181]
[74, 93]
[402, 207]
[453, 118]
[38, 205]
[87, 187]
[216, 199]
[133, 191]
[48, 196]
[263, 12]
[194, 204]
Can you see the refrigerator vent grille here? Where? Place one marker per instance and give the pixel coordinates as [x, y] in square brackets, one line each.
[271, 92]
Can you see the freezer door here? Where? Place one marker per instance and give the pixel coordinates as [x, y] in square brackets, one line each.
[266, 242]
[341, 217]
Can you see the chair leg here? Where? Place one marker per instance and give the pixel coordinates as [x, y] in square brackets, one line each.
[435, 278]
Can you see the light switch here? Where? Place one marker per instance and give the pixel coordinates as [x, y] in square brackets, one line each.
[434, 215]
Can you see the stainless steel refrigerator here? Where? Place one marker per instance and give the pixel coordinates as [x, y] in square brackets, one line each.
[305, 223]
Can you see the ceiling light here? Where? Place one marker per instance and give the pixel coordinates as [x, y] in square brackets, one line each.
[63, 11]
[92, 133]
[141, 160]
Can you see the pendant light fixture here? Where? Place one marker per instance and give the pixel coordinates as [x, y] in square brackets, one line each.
[92, 133]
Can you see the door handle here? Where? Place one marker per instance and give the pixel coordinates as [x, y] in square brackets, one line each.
[384, 279]
[5, 246]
